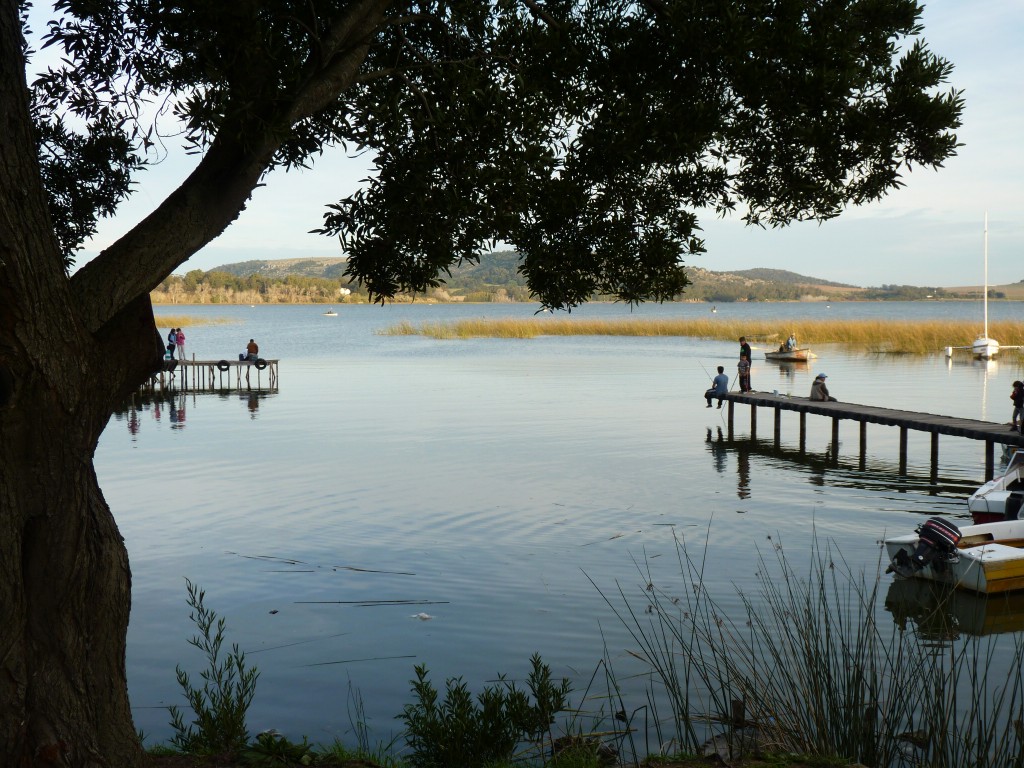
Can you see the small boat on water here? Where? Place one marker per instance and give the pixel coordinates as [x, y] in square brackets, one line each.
[330, 313]
[1001, 497]
[801, 355]
[986, 558]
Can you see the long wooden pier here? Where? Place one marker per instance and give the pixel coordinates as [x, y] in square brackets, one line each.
[205, 375]
[986, 431]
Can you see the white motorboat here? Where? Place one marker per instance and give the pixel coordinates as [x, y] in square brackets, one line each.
[1000, 498]
[986, 558]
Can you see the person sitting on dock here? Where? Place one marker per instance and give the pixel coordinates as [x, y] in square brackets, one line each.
[719, 387]
[252, 351]
[819, 391]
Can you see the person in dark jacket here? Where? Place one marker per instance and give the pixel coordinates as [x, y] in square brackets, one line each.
[1017, 395]
[819, 391]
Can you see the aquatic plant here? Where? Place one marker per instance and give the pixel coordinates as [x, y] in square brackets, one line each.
[874, 336]
[808, 668]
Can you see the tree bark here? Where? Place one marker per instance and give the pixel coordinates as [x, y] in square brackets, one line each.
[71, 350]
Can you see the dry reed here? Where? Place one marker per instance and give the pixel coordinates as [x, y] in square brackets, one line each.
[879, 336]
[184, 321]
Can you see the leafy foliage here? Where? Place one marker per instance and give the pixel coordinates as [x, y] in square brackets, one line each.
[220, 705]
[470, 734]
[585, 133]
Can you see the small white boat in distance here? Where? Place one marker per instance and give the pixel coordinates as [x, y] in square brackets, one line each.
[330, 313]
[983, 347]
[1000, 498]
[987, 558]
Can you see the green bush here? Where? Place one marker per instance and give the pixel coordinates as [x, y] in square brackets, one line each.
[228, 688]
[462, 732]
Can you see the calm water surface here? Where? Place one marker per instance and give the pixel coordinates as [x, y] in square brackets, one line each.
[489, 484]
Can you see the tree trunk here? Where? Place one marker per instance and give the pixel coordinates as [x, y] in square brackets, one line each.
[65, 584]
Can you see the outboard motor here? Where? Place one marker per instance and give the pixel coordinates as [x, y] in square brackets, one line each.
[937, 544]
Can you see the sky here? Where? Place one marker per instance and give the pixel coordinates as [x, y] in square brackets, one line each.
[929, 233]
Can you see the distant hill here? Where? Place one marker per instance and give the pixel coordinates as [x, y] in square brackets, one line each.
[500, 269]
[282, 268]
[786, 277]
[496, 278]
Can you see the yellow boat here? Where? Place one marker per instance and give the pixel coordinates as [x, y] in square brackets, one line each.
[986, 558]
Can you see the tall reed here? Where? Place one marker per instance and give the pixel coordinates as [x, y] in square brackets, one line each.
[886, 336]
[818, 674]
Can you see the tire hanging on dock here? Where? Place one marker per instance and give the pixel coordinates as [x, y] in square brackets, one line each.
[223, 365]
[260, 363]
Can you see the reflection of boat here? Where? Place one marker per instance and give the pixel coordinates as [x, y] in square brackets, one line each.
[942, 613]
[986, 558]
[1000, 498]
[800, 355]
[330, 313]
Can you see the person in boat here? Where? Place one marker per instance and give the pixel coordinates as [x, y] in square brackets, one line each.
[719, 387]
[819, 391]
[790, 343]
[252, 350]
[1017, 395]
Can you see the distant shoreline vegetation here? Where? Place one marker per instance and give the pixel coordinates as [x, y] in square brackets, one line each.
[873, 336]
[496, 279]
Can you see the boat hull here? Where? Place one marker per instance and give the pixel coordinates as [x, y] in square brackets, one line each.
[1001, 498]
[990, 558]
[791, 356]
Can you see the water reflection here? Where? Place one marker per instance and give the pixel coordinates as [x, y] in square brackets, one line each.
[173, 405]
[944, 614]
[825, 469]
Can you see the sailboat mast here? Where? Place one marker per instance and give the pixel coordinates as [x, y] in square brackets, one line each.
[986, 274]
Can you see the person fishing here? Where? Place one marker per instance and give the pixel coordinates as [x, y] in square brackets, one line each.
[719, 387]
[819, 391]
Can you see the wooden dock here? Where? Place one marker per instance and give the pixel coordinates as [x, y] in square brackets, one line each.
[986, 431]
[210, 375]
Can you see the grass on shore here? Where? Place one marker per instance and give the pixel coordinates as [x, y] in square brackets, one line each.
[185, 321]
[877, 336]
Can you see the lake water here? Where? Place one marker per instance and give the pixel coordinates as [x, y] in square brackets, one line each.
[490, 484]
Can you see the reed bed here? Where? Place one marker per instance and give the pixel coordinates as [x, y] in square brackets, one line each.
[809, 669]
[185, 321]
[877, 336]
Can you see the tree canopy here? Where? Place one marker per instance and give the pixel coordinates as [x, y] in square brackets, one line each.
[587, 133]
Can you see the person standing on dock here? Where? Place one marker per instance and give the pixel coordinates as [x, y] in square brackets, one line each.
[252, 350]
[819, 391]
[719, 387]
[172, 342]
[180, 341]
[744, 372]
[1017, 395]
[745, 348]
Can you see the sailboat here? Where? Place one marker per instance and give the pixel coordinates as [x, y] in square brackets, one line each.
[983, 347]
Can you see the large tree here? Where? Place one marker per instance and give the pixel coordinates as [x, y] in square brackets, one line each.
[586, 133]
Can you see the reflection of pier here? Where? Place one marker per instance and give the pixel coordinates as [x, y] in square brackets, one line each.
[825, 467]
[211, 375]
[988, 432]
[173, 405]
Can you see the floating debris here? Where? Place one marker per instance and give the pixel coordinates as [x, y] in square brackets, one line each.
[422, 616]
